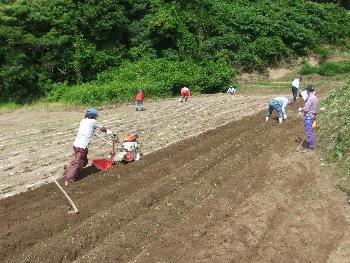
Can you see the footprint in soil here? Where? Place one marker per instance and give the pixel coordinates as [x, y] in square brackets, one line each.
[33, 151]
[46, 164]
[9, 168]
[14, 154]
[298, 139]
[27, 169]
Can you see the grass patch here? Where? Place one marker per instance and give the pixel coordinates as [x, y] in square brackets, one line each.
[9, 106]
[335, 132]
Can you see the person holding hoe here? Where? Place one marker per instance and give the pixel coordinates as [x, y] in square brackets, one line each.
[309, 110]
[86, 130]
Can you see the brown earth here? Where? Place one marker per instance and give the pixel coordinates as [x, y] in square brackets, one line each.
[239, 193]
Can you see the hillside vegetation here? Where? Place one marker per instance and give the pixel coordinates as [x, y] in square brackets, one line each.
[51, 48]
[335, 132]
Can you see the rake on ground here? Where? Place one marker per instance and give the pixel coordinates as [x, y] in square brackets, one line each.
[75, 209]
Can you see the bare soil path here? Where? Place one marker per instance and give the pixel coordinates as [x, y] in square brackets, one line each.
[238, 193]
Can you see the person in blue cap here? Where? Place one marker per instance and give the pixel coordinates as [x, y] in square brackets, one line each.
[86, 130]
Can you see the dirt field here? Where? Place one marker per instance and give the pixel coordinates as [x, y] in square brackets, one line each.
[38, 141]
[238, 193]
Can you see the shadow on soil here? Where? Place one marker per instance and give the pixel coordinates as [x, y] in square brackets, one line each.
[86, 172]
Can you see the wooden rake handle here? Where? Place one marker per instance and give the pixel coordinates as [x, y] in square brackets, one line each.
[75, 209]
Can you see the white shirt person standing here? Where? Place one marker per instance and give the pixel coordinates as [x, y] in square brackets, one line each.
[295, 88]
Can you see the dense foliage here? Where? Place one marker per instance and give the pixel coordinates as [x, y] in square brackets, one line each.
[157, 77]
[335, 132]
[44, 43]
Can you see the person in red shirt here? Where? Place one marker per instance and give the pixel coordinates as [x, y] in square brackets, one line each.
[185, 93]
[140, 95]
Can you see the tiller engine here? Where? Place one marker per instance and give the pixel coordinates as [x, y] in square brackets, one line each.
[125, 151]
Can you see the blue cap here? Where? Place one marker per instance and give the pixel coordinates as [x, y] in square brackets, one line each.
[91, 112]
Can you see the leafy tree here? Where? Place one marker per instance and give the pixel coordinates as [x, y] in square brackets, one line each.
[68, 41]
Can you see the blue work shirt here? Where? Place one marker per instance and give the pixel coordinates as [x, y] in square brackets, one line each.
[283, 101]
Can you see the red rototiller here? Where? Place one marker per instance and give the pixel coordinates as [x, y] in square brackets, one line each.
[123, 151]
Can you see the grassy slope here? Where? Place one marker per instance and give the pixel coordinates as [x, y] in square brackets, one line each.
[335, 132]
[334, 121]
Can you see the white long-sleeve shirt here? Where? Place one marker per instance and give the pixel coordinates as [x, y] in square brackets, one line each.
[304, 95]
[231, 90]
[296, 83]
[86, 130]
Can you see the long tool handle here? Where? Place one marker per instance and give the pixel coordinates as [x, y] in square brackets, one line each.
[297, 149]
[75, 209]
[104, 139]
[301, 143]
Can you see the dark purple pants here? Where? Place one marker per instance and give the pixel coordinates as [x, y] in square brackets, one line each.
[75, 166]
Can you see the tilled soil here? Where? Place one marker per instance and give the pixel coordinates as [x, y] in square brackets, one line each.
[239, 193]
[35, 142]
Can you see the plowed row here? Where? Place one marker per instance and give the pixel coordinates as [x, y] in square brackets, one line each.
[239, 193]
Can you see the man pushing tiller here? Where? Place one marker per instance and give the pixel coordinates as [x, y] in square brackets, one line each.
[86, 130]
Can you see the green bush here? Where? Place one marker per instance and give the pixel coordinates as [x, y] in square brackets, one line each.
[270, 49]
[157, 77]
[326, 69]
[308, 69]
[333, 68]
[249, 61]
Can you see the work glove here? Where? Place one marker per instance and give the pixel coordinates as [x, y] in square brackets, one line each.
[300, 110]
[109, 132]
